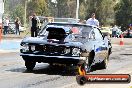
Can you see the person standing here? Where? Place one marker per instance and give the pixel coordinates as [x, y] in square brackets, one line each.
[34, 26]
[129, 30]
[93, 21]
[17, 24]
[114, 31]
[130, 26]
[6, 25]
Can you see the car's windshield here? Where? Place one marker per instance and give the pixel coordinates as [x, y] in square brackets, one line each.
[76, 30]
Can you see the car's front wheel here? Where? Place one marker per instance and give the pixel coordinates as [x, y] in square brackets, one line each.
[30, 65]
[87, 65]
[84, 67]
[104, 63]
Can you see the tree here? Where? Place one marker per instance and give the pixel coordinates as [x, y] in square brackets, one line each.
[13, 9]
[71, 7]
[82, 10]
[104, 10]
[18, 11]
[123, 12]
[62, 8]
[52, 8]
[39, 7]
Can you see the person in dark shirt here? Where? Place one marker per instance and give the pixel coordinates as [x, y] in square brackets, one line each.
[129, 30]
[34, 26]
[17, 24]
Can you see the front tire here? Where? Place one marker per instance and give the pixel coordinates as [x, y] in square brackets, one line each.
[30, 65]
[104, 64]
[86, 66]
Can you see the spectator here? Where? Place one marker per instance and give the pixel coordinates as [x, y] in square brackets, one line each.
[17, 24]
[93, 21]
[130, 26]
[129, 30]
[6, 25]
[34, 27]
[114, 31]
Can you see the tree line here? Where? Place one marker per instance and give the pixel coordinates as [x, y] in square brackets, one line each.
[108, 12]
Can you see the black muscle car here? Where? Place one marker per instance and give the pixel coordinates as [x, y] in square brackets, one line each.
[63, 43]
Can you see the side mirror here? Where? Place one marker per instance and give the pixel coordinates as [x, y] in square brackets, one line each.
[103, 36]
[106, 36]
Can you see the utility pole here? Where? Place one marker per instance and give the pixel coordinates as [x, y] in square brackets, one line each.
[1, 16]
[25, 14]
[77, 10]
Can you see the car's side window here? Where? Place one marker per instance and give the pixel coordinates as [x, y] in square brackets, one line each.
[98, 35]
[92, 35]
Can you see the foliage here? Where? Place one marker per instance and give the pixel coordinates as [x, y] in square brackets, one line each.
[106, 12]
[82, 11]
[62, 8]
[39, 7]
[123, 13]
[105, 9]
[51, 8]
[18, 11]
[66, 8]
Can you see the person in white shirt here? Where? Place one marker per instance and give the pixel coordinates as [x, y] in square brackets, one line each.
[114, 31]
[93, 21]
[6, 25]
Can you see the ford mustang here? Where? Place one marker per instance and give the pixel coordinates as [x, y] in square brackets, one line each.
[69, 44]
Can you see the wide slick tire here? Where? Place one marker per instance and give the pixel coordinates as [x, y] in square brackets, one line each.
[84, 67]
[30, 65]
[104, 63]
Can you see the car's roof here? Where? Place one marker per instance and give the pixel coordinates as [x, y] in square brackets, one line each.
[74, 24]
[11, 22]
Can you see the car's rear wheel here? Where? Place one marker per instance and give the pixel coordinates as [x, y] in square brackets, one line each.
[30, 65]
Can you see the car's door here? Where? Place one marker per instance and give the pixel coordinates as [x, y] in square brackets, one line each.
[100, 46]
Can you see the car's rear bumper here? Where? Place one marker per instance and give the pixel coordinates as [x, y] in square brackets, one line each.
[53, 59]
